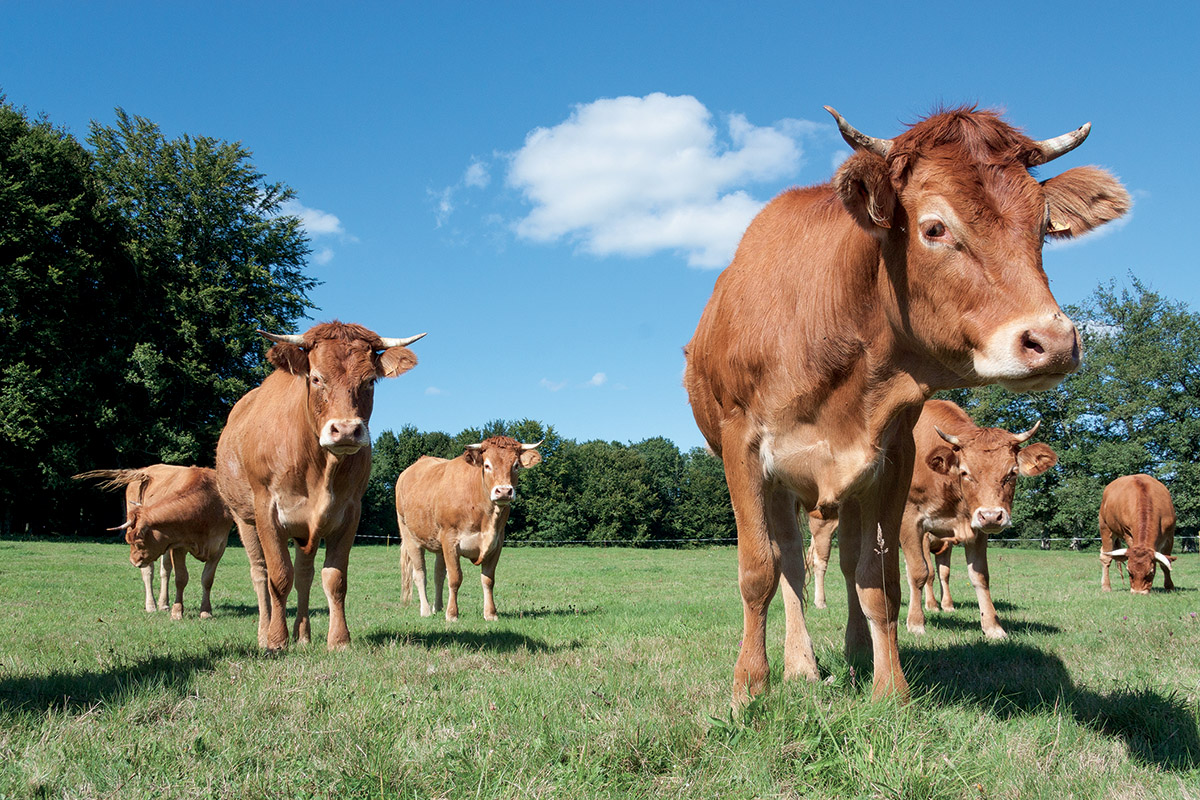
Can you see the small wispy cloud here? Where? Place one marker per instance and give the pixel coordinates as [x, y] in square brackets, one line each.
[323, 256]
[599, 379]
[318, 224]
[433, 390]
[476, 176]
[552, 385]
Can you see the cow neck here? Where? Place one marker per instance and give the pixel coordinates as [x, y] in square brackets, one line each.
[493, 517]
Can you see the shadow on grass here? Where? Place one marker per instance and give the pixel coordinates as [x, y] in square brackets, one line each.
[75, 692]
[966, 618]
[1009, 679]
[499, 641]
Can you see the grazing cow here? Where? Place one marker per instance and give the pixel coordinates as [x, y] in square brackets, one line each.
[293, 463]
[1138, 510]
[963, 492]
[170, 512]
[458, 507]
[845, 307]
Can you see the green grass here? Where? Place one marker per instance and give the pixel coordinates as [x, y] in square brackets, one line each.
[608, 675]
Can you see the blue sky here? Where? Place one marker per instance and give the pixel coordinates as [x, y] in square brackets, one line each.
[551, 189]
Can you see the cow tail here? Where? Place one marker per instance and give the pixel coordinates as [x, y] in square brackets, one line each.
[406, 575]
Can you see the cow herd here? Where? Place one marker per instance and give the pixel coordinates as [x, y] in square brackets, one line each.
[846, 306]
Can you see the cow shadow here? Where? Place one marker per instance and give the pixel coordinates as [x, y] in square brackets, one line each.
[1009, 679]
[76, 692]
[958, 621]
[499, 641]
[546, 611]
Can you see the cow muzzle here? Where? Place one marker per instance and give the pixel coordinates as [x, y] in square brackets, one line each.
[345, 436]
[503, 495]
[990, 520]
[1031, 354]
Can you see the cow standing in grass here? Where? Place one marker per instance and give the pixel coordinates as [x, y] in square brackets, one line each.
[845, 307]
[458, 508]
[1138, 511]
[169, 512]
[293, 463]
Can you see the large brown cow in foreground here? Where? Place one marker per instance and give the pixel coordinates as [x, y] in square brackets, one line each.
[1137, 509]
[458, 507]
[169, 512]
[961, 491]
[293, 463]
[846, 306]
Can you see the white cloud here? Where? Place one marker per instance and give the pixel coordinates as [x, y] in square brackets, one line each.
[477, 175]
[635, 175]
[433, 390]
[599, 379]
[551, 385]
[315, 222]
[323, 256]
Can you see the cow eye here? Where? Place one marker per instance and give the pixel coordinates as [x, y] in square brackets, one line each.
[934, 230]
[316, 381]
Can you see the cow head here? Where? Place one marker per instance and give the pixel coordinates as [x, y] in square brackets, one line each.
[962, 223]
[499, 459]
[1142, 562]
[986, 462]
[340, 364]
[145, 543]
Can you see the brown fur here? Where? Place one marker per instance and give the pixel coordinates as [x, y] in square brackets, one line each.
[447, 507]
[834, 323]
[282, 483]
[1136, 510]
[172, 511]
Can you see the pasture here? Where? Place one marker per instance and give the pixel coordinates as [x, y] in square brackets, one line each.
[607, 675]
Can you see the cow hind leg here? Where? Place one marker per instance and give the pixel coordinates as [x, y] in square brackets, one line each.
[454, 573]
[181, 580]
[439, 580]
[821, 532]
[305, 569]
[206, 584]
[799, 660]
[916, 567]
[943, 567]
[164, 579]
[487, 577]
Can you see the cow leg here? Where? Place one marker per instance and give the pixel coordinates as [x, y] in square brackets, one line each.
[179, 561]
[758, 562]
[977, 571]
[334, 580]
[302, 627]
[164, 578]
[280, 573]
[439, 580]
[821, 531]
[148, 580]
[858, 636]
[258, 577]
[931, 602]
[943, 565]
[454, 573]
[877, 573]
[487, 576]
[1106, 546]
[912, 542]
[206, 583]
[1168, 584]
[416, 565]
[799, 660]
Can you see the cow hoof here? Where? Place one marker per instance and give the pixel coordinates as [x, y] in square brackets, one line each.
[176, 613]
[426, 612]
[492, 618]
[948, 608]
[916, 630]
[452, 619]
[205, 615]
[996, 633]
[819, 604]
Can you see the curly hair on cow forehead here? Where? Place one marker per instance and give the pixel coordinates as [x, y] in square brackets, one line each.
[983, 134]
[341, 331]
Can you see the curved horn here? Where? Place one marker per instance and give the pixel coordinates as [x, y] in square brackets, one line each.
[859, 140]
[1160, 558]
[949, 439]
[1051, 149]
[476, 446]
[404, 342]
[128, 522]
[1027, 435]
[531, 446]
[284, 338]
[1116, 553]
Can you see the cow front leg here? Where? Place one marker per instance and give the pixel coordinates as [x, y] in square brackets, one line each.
[305, 569]
[916, 567]
[164, 579]
[148, 581]
[943, 567]
[977, 571]
[758, 561]
[179, 562]
[454, 574]
[334, 580]
[280, 574]
[799, 660]
[821, 534]
[258, 577]
[206, 584]
[1106, 546]
[487, 576]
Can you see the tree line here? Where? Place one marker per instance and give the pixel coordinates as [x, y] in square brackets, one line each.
[135, 269]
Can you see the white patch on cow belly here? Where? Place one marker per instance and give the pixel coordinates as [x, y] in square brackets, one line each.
[291, 510]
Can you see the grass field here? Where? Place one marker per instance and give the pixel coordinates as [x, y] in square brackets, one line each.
[608, 675]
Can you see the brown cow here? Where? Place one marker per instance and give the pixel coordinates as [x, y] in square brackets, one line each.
[1138, 510]
[458, 507]
[964, 492]
[171, 511]
[846, 306]
[293, 463]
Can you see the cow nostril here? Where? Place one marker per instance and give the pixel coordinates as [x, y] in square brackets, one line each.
[1029, 342]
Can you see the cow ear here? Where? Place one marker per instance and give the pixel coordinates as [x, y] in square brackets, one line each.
[1083, 198]
[474, 457]
[395, 361]
[865, 188]
[942, 460]
[1036, 459]
[530, 458]
[290, 358]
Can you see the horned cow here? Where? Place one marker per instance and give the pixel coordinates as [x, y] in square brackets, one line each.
[1137, 510]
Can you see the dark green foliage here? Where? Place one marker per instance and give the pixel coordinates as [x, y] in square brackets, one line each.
[132, 280]
[646, 493]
